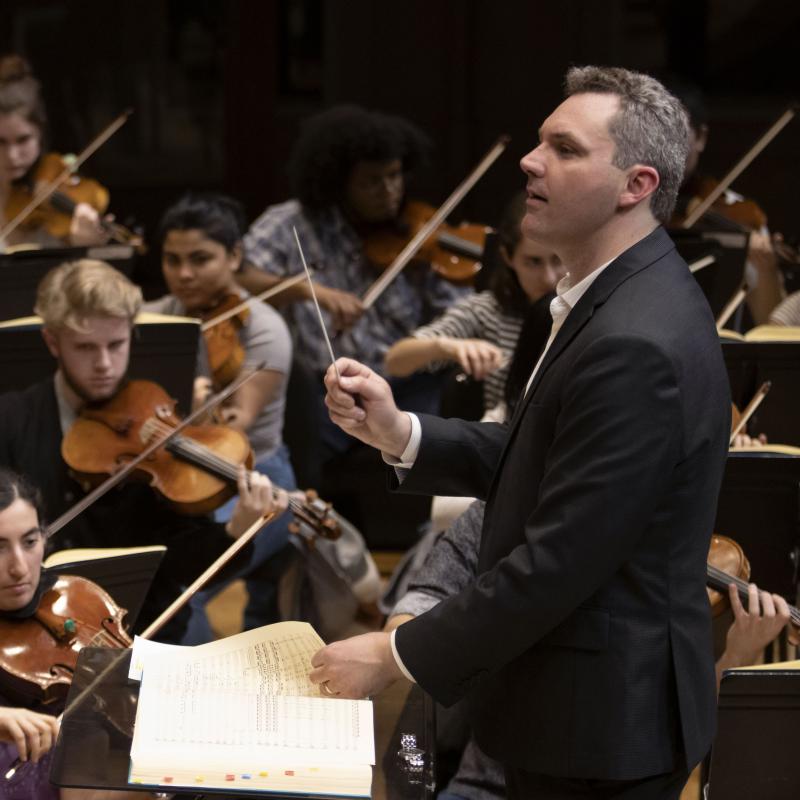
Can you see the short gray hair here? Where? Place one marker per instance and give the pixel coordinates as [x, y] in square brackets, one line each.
[651, 127]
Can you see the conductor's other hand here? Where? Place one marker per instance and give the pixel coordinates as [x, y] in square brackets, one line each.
[362, 405]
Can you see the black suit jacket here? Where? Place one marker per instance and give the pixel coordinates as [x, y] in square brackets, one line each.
[586, 640]
[128, 515]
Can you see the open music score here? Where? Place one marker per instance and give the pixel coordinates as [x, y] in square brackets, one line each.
[241, 713]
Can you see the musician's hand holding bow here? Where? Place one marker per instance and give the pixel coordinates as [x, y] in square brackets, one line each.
[32, 733]
[362, 405]
[256, 500]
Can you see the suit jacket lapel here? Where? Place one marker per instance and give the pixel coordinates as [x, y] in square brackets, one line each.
[644, 253]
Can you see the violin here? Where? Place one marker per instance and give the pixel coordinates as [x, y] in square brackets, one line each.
[105, 436]
[436, 219]
[452, 251]
[727, 564]
[745, 213]
[38, 654]
[55, 214]
[225, 351]
[195, 471]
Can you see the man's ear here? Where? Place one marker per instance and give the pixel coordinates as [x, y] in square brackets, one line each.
[51, 340]
[641, 182]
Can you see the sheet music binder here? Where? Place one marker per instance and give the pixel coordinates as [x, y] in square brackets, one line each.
[21, 271]
[93, 747]
[720, 280]
[126, 576]
[163, 349]
[755, 750]
[749, 364]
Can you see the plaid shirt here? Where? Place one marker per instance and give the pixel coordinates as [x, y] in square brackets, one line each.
[333, 250]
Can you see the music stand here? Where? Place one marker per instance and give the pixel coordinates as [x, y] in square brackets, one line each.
[759, 507]
[755, 750]
[21, 272]
[721, 279]
[163, 349]
[126, 576]
[749, 365]
[93, 747]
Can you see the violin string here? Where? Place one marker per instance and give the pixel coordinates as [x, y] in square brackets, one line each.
[743, 588]
[213, 462]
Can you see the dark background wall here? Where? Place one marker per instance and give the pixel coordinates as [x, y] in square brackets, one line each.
[219, 88]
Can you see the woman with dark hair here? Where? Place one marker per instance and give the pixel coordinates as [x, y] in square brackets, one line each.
[28, 733]
[23, 125]
[348, 171]
[201, 244]
[480, 332]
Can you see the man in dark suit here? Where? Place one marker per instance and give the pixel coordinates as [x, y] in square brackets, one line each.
[585, 643]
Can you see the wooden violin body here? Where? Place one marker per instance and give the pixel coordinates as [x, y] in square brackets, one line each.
[452, 251]
[55, 215]
[38, 654]
[225, 351]
[103, 439]
[724, 556]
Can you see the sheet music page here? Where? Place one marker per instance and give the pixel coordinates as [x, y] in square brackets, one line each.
[189, 714]
[276, 658]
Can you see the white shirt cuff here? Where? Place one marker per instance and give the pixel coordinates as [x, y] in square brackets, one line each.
[409, 455]
[398, 660]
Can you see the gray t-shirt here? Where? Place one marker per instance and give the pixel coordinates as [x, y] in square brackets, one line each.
[265, 339]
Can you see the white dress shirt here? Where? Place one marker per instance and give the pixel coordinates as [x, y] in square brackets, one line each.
[567, 297]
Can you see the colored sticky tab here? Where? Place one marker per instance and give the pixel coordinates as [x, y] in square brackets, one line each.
[246, 777]
[166, 779]
[199, 779]
[230, 777]
[289, 772]
[263, 774]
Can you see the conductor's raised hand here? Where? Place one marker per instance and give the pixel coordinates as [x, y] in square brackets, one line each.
[361, 404]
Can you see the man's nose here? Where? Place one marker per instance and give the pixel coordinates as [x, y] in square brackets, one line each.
[103, 360]
[532, 163]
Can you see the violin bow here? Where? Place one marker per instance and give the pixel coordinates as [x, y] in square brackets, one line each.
[114, 479]
[49, 189]
[758, 398]
[407, 253]
[265, 295]
[730, 307]
[740, 167]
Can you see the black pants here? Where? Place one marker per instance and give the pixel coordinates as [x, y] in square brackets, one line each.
[522, 785]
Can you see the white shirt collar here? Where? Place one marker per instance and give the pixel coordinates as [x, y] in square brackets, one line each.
[570, 294]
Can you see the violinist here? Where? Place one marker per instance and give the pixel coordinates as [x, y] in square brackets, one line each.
[28, 732]
[201, 252]
[762, 276]
[348, 171]
[23, 128]
[88, 311]
[480, 332]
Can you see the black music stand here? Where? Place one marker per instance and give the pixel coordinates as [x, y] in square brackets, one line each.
[125, 576]
[759, 507]
[720, 280]
[93, 747]
[165, 352]
[755, 750]
[21, 272]
[749, 365]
